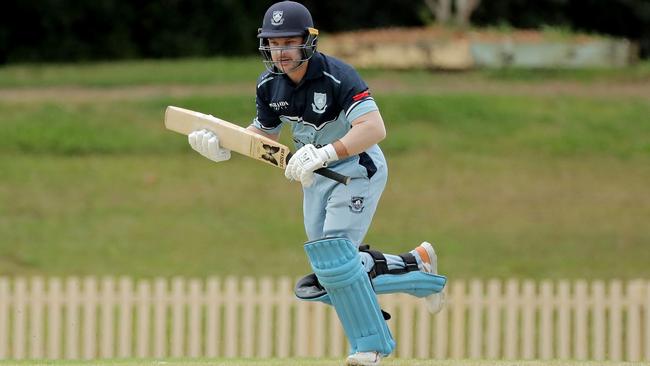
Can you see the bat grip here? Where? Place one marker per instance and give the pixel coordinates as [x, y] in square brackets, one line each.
[329, 173]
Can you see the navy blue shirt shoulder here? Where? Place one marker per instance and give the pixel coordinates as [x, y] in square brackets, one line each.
[320, 108]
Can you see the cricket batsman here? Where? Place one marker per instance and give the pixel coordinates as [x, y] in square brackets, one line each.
[335, 123]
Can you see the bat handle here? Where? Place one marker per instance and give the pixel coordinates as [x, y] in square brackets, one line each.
[329, 173]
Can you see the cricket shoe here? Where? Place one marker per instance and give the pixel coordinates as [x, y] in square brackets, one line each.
[434, 302]
[363, 359]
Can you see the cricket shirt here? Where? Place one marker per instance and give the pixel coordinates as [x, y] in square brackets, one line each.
[319, 109]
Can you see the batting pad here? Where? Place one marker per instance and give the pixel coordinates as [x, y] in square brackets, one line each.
[337, 265]
[416, 283]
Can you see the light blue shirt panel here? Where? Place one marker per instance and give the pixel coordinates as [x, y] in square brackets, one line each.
[365, 106]
[307, 133]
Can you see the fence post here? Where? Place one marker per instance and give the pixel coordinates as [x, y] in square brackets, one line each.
[142, 312]
[580, 335]
[231, 314]
[125, 323]
[301, 328]
[160, 318]
[476, 305]
[441, 333]
[512, 316]
[615, 320]
[178, 317]
[266, 318]
[528, 321]
[646, 302]
[89, 315]
[633, 336]
[20, 307]
[423, 331]
[599, 346]
[284, 320]
[546, 320]
[71, 304]
[213, 317]
[54, 319]
[563, 318]
[36, 336]
[194, 322]
[248, 317]
[4, 317]
[458, 320]
[107, 308]
[318, 335]
[405, 342]
[494, 300]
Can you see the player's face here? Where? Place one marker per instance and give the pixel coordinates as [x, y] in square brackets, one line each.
[286, 52]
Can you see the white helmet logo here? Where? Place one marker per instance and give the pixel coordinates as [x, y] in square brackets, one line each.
[277, 18]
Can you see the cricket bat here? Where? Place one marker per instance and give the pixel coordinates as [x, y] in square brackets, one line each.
[238, 139]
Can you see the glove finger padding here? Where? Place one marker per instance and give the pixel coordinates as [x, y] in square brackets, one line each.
[215, 151]
[213, 146]
[204, 143]
[192, 138]
[307, 178]
[288, 169]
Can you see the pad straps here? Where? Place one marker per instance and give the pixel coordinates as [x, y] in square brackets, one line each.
[381, 266]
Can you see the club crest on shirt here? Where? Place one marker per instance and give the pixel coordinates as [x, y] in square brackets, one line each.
[277, 17]
[320, 102]
[356, 204]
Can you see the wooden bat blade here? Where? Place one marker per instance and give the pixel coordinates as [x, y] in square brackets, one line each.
[231, 136]
[237, 138]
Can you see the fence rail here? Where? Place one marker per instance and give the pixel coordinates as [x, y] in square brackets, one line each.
[87, 318]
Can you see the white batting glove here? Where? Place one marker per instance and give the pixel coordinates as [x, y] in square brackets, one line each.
[207, 144]
[308, 158]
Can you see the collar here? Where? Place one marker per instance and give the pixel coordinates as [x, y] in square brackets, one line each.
[315, 66]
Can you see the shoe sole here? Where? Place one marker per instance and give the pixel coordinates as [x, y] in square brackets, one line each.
[353, 362]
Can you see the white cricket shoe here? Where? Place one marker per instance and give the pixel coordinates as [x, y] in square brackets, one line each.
[434, 302]
[363, 359]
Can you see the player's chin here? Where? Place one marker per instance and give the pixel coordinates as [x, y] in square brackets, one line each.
[287, 66]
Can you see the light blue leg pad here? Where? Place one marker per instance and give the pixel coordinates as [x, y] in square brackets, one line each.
[337, 265]
[416, 283]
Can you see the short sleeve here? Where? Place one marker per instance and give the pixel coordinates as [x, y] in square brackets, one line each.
[355, 98]
[265, 119]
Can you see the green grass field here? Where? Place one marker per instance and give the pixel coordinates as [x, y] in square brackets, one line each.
[311, 362]
[550, 183]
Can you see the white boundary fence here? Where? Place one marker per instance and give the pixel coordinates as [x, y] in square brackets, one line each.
[91, 318]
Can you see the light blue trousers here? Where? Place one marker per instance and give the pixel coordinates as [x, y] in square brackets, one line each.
[332, 209]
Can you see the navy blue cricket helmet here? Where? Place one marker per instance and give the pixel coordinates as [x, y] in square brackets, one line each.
[287, 19]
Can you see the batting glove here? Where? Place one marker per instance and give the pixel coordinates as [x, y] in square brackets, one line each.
[308, 158]
[207, 144]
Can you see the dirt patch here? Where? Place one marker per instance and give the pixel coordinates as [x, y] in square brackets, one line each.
[549, 88]
[414, 34]
[443, 85]
[77, 94]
